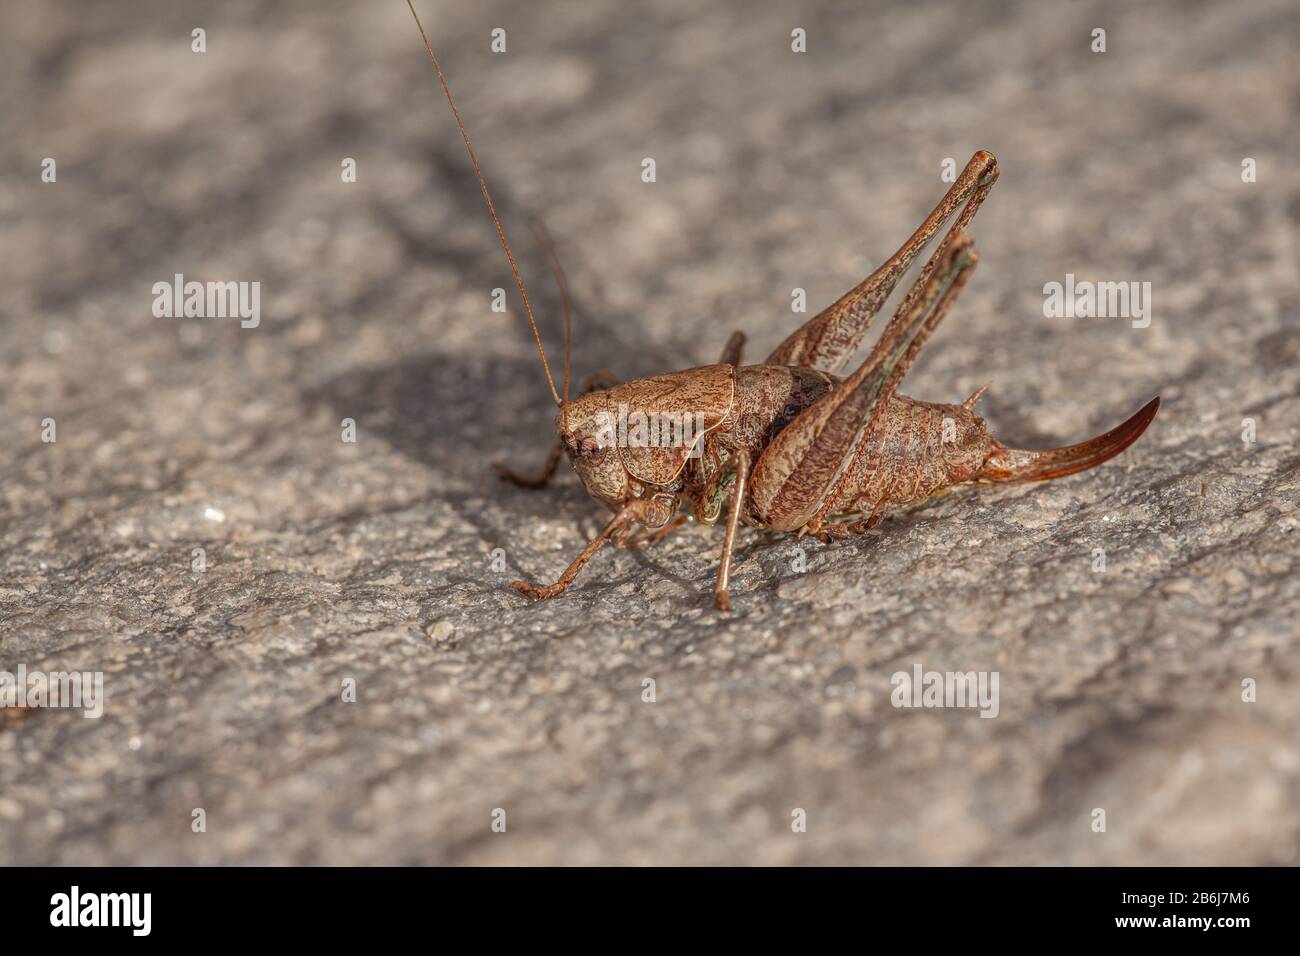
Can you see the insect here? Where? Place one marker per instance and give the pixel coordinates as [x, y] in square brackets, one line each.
[792, 444]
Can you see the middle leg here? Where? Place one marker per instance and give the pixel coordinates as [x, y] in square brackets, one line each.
[739, 488]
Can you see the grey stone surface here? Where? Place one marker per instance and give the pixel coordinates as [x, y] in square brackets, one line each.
[372, 561]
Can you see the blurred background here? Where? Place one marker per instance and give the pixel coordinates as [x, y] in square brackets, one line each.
[385, 561]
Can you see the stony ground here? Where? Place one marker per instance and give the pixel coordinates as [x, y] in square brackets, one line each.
[383, 564]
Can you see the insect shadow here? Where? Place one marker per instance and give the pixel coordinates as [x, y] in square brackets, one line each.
[456, 414]
[452, 415]
[607, 336]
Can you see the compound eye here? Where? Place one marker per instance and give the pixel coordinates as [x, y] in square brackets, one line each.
[591, 448]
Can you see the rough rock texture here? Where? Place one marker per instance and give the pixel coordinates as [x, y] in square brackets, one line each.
[1119, 689]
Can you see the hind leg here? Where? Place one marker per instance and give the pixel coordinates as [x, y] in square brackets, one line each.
[848, 529]
[828, 340]
[731, 351]
[795, 480]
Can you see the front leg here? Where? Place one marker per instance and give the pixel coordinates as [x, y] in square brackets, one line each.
[631, 512]
[538, 480]
[651, 537]
[597, 381]
[738, 490]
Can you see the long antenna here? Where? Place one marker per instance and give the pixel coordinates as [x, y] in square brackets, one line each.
[523, 294]
[544, 237]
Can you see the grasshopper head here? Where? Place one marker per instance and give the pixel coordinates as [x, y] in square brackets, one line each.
[590, 439]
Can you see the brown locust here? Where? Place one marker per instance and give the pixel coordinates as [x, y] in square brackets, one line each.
[791, 444]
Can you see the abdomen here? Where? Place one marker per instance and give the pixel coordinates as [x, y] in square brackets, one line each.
[916, 449]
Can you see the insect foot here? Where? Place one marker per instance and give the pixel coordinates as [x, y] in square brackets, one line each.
[536, 593]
